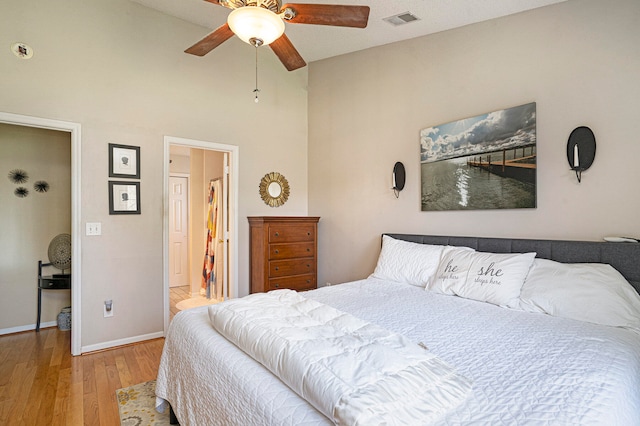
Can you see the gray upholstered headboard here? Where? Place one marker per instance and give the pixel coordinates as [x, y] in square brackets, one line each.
[625, 257]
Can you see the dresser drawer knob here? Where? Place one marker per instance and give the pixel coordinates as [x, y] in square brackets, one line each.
[308, 249]
[277, 251]
[308, 233]
[277, 234]
[308, 266]
[277, 268]
[308, 281]
[277, 286]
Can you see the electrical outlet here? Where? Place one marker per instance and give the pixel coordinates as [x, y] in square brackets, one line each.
[94, 228]
[108, 308]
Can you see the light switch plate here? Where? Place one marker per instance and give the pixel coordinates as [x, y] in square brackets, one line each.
[94, 228]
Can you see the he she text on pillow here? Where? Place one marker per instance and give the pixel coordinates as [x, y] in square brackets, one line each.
[488, 277]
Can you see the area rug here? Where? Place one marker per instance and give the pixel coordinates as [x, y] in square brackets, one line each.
[194, 302]
[137, 406]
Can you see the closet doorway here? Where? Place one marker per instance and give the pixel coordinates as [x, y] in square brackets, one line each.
[200, 219]
[74, 130]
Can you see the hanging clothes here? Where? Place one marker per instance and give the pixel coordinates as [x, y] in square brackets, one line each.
[209, 287]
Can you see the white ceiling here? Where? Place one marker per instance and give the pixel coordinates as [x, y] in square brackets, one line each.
[315, 42]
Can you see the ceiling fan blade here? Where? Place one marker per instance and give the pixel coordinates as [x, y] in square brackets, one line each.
[329, 14]
[211, 41]
[224, 3]
[289, 56]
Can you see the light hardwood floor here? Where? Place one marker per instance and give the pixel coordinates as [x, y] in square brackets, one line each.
[177, 294]
[42, 384]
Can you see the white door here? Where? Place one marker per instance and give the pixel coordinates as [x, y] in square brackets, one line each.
[178, 231]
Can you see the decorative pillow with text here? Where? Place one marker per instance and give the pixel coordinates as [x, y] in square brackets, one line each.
[452, 271]
[488, 277]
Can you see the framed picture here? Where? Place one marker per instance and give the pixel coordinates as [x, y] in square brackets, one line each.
[124, 197]
[483, 162]
[124, 161]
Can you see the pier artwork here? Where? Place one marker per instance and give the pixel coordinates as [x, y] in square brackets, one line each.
[521, 165]
[483, 162]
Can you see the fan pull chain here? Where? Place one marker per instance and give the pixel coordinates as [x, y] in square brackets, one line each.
[256, 90]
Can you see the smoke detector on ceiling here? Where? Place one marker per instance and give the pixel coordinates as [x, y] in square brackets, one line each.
[401, 18]
[21, 50]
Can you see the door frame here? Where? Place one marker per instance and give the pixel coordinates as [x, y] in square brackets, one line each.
[76, 265]
[233, 216]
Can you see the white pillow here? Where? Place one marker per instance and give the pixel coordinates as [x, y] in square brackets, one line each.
[591, 292]
[452, 271]
[488, 277]
[407, 262]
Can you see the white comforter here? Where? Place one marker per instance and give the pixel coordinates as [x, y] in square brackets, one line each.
[352, 371]
[527, 369]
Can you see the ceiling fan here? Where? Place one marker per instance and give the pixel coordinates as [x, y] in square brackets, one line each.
[260, 22]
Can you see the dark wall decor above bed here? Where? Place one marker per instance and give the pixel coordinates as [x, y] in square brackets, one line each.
[398, 177]
[482, 162]
[581, 150]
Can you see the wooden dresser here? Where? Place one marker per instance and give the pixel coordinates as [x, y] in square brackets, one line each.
[283, 252]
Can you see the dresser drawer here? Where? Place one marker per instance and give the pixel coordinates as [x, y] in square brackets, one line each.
[288, 251]
[289, 234]
[282, 268]
[299, 282]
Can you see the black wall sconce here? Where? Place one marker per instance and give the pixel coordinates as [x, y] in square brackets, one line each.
[581, 150]
[399, 176]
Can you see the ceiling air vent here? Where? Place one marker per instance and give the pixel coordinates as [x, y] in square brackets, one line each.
[401, 18]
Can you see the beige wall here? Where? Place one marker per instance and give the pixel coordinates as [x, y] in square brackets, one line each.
[119, 70]
[179, 163]
[577, 60]
[29, 224]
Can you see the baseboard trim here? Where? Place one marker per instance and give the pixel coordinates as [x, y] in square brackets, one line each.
[27, 327]
[121, 342]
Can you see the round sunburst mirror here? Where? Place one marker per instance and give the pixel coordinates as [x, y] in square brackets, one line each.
[274, 189]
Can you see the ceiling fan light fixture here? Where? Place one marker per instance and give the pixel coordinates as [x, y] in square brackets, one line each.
[254, 22]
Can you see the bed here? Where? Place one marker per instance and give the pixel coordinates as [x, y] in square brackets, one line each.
[578, 365]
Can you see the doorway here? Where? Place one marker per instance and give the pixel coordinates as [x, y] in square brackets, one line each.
[75, 132]
[197, 165]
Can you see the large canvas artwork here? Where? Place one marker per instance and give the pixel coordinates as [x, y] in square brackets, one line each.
[482, 162]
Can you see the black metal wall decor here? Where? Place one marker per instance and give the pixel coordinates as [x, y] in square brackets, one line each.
[21, 192]
[581, 150]
[399, 178]
[18, 176]
[41, 186]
